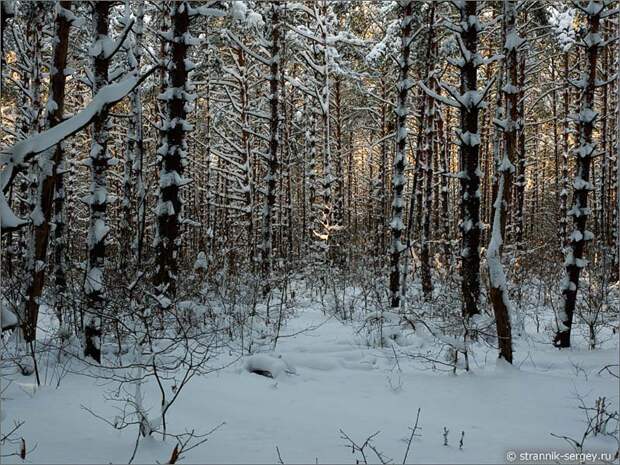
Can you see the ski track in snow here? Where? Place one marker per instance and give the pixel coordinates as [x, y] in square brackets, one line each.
[338, 384]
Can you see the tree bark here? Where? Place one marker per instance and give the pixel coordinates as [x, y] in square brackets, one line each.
[398, 180]
[498, 292]
[51, 160]
[99, 161]
[470, 178]
[575, 251]
[274, 141]
[173, 152]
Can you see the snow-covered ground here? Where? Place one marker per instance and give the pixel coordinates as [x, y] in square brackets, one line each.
[327, 380]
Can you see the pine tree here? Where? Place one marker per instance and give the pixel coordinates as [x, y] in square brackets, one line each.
[99, 161]
[504, 167]
[49, 163]
[575, 253]
[400, 156]
[274, 142]
[178, 95]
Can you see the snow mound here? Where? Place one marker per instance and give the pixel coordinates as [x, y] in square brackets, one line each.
[192, 312]
[268, 365]
[29, 388]
[8, 319]
[383, 328]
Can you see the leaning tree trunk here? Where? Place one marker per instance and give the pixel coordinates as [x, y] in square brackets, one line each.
[398, 180]
[576, 248]
[499, 296]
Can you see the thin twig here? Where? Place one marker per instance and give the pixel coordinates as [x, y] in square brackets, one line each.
[413, 433]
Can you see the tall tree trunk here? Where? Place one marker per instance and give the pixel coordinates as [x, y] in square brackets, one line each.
[99, 160]
[521, 158]
[604, 166]
[173, 151]
[565, 149]
[384, 166]
[339, 182]
[274, 141]
[59, 244]
[246, 155]
[470, 178]
[443, 128]
[324, 229]
[505, 169]
[400, 156]
[138, 148]
[615, 180]
[427, 284]
[575, 251]
[426, 158]
[133, 182]
[49, 163]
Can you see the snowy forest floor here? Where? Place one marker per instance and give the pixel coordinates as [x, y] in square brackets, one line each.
[339, 383]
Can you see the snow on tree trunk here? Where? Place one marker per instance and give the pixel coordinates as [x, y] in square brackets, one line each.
[565, 149]
[602, 207]
[317, 88]
[339, 188]
[246, 160]
[443, 127]
[469, 142]
[324, 98]
[398, 179]
[510, 125]
[99, 161]
[518, 225]
[132, 173]
[138, 141]
[291, 217]
[585, 120]
[615, 224]
[424, 147]
[384, 192]
[272, 156]
[426, 160]
[425, 252]
[59, 243]
[7, 10]
[32, 110]
[37, 18]
[310, 166]
[173, 150]
[49, 162]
